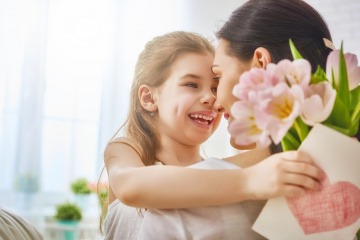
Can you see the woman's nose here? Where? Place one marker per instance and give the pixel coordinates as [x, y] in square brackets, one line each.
[218, 108]
[211, 100]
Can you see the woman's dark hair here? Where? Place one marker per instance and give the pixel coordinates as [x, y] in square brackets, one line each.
[270, 24]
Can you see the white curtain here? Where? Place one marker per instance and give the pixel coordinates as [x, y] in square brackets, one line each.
[65, 72]
[23, 28]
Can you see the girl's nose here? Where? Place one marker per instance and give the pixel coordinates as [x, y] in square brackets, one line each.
[209, 98]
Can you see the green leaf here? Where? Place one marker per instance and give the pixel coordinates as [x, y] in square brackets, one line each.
[355, 97]
[356, 113]
[295, 53]
[339, 129]
[318, 76]
[289, 142]
[343, 85]
[354, 128]
[68, 212]
[340, 115]
[80, 186]
[301, 128]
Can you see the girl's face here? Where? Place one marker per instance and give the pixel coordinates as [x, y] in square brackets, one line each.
[228, 69]
[185, 100]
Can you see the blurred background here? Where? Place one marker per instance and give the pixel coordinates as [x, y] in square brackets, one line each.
[65, 72]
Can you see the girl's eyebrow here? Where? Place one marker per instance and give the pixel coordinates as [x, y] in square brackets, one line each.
[190, 75]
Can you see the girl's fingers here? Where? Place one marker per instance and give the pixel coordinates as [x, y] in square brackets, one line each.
[297, 156]
[293, 191]
[302, 181]
[306, 169]
[301, 163]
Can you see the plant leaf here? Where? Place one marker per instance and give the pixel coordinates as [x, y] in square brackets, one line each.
[301, 128]
[318, 76]
[339, 129]
[340, 115]
[343, 84]
[294, 52]
[356, 113]
[289, 142]
[355, 97]
[354, 128]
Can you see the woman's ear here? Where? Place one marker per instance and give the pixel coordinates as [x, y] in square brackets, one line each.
[261, 58]
[146, 97]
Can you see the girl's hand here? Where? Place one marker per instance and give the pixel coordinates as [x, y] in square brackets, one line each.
[287, 174]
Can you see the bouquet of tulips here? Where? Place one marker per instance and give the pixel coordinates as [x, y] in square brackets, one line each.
[281, 103]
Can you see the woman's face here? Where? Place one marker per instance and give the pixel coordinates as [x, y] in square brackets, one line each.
[228, 69]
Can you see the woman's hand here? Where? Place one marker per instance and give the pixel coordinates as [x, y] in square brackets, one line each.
[287, 174]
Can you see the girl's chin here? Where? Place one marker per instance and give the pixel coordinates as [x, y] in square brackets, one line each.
[242, 147]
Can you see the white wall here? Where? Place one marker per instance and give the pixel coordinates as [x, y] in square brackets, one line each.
[343, 18]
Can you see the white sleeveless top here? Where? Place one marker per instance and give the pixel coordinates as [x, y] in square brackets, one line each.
[225, 222]
[121, 222]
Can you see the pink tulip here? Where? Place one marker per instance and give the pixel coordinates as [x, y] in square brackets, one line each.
[318, 104]
[295, 72]
[280, 112]
[353, 70]
[244, 129]
[250, 82]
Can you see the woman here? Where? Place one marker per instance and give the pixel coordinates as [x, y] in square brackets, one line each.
[257, 33]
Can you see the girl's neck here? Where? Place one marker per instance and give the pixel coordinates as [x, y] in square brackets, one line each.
[177, 154]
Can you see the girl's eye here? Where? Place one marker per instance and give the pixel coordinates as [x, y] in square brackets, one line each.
[214, 89]
[193, 85]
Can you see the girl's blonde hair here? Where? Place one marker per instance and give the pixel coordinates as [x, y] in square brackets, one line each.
[153, 67]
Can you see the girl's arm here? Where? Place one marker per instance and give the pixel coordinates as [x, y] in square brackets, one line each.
[284, 174]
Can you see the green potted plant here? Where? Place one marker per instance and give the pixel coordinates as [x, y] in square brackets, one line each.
[68, 216]
[81, 189]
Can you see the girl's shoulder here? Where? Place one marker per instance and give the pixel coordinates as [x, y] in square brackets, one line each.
[123, 140]
[117, 143]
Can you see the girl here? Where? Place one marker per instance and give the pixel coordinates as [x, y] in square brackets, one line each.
[171, 113]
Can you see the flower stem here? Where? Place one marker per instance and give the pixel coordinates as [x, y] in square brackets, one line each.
[289, 142]
[301, 128]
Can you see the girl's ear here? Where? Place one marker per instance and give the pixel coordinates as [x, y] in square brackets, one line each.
[146, 97]
[261, 58]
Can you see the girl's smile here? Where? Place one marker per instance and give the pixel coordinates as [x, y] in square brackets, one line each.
[203, 119]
